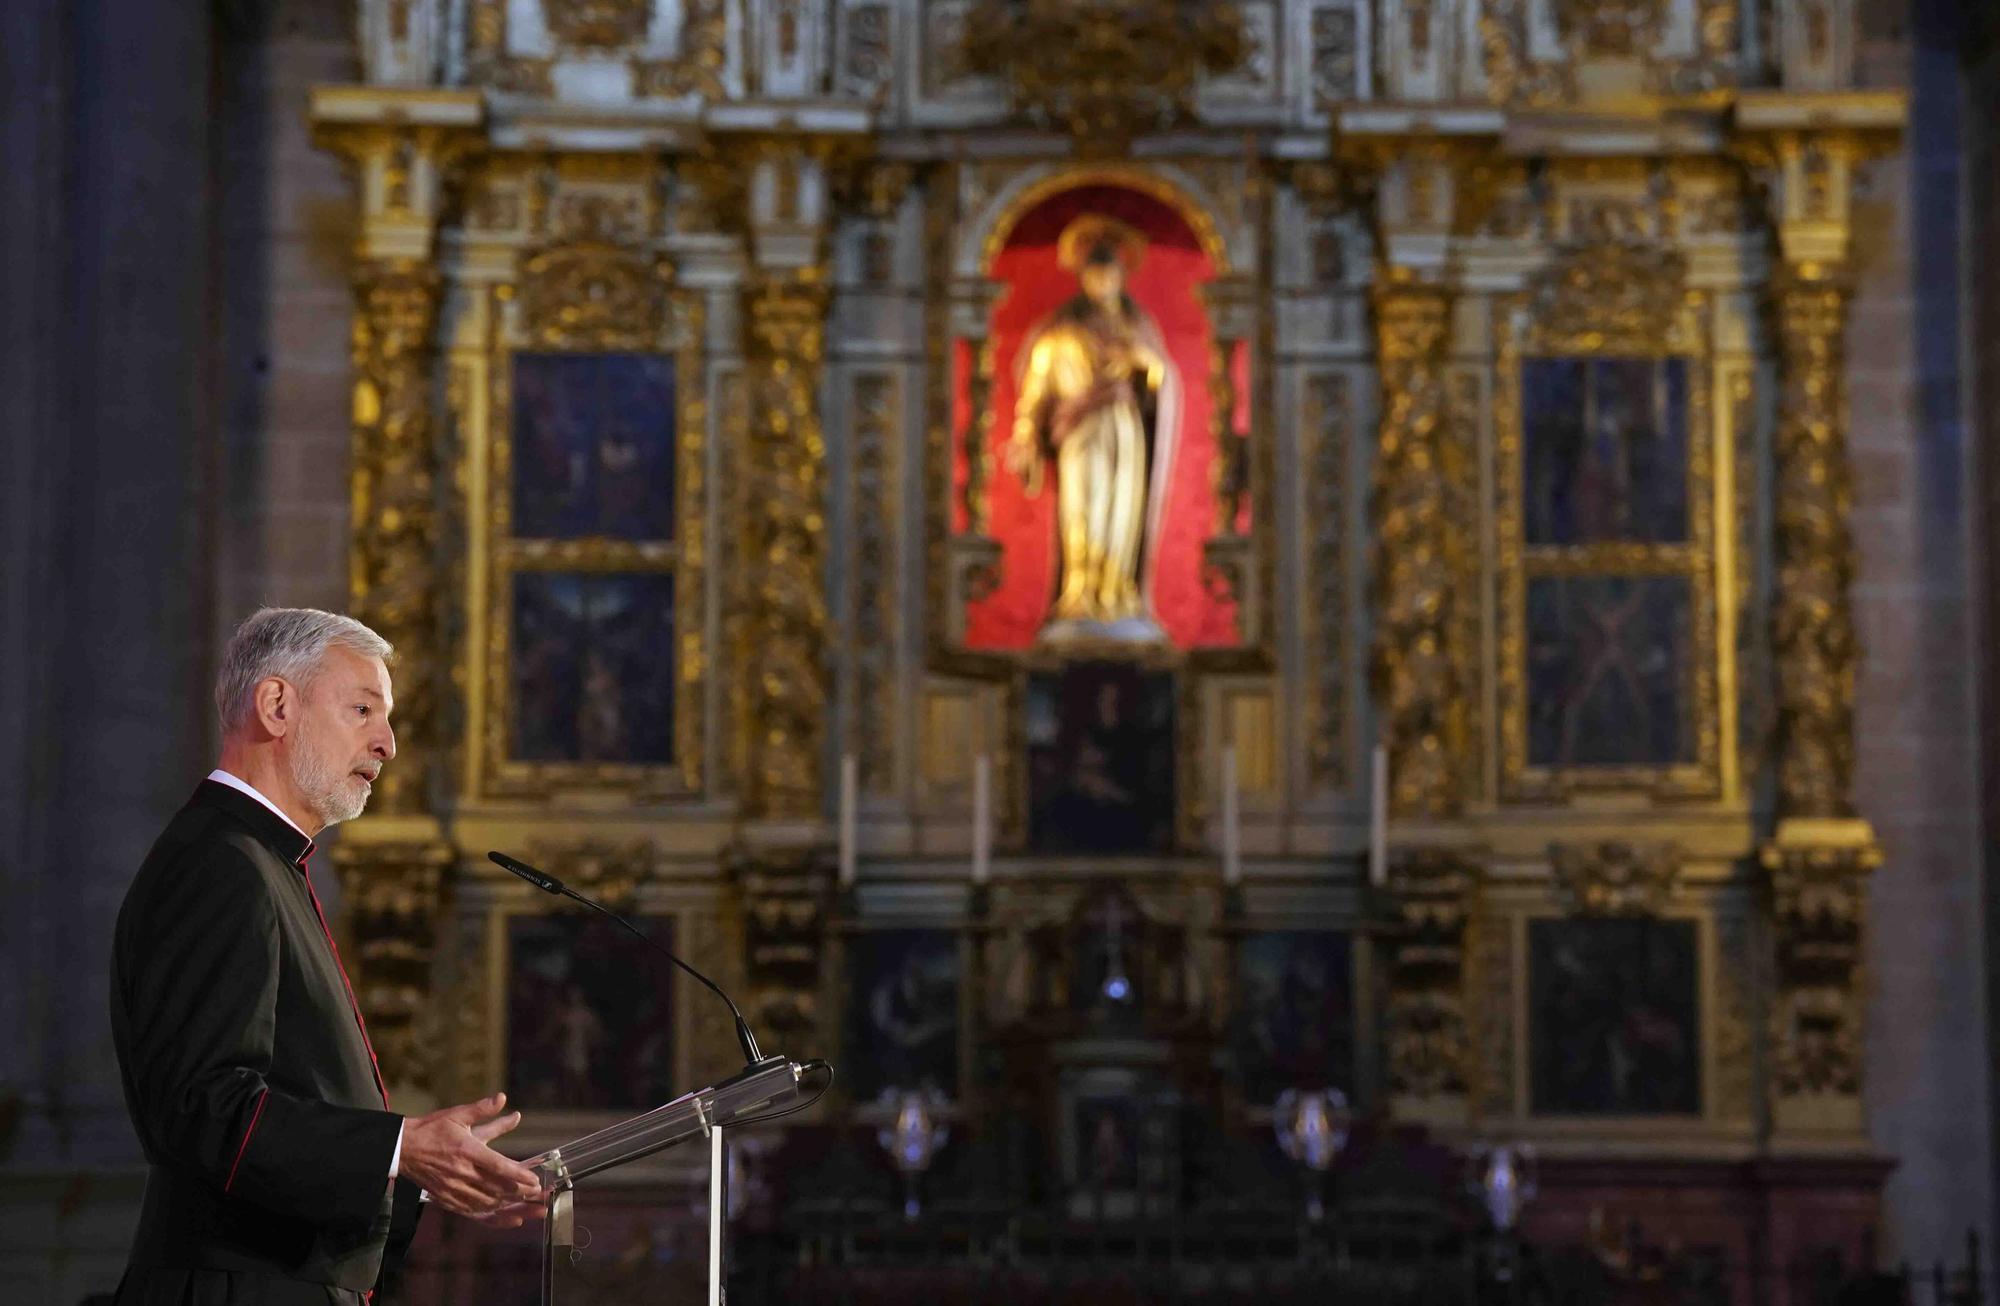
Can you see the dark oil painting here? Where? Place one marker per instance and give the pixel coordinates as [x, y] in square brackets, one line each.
[593, 443]
[1605, 450]
[589, 1014]
[1614, 1019]
[1295, 1013]
[902, 1020]
[1609, 664]
[1100, 741]
[593, 667]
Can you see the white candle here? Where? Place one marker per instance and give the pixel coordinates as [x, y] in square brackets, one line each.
[1232, 855]
[1378, 818]
[850, 784]
[982, 817]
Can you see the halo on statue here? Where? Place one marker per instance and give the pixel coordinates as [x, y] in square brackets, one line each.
[1091, 232]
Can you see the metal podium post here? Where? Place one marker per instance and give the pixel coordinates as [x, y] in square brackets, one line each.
[718, 1215]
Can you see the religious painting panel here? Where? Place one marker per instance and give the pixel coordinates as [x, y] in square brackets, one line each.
[1612, 672]
[1100, 741]
[1614, 1017]
[593, 446]
[1608, 671]
[593, 673]
[1094, 406]
[589, 1027]
[1295, 1013]
[1605, 442]
[594, 534]
[903, 1011]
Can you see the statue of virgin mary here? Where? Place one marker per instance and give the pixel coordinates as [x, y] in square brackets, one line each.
[1099, 404]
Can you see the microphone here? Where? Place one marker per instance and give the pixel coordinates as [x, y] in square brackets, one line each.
[547, 883]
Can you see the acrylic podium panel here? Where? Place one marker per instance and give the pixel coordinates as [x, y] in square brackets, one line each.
[756, 1092]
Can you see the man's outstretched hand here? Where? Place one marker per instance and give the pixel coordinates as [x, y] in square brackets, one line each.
[446, 1154]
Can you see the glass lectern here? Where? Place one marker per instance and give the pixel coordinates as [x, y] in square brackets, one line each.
[771, 1087]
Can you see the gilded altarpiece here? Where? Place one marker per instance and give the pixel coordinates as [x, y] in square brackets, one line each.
[1504, 435]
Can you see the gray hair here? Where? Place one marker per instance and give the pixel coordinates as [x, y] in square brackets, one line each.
[289, 643]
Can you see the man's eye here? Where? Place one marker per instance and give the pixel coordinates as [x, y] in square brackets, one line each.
[362, 708]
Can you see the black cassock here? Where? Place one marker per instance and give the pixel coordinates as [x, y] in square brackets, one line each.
[249, 1076]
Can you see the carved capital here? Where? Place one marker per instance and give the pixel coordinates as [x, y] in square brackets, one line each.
[393, 567]
[1419, 508]
[406, 145]
[785, 657]
[1615, 878]
[395, 898]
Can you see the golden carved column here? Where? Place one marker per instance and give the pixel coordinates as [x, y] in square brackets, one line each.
[785, 553]
[393, 558]
[394, 864]
[1821, 853]
[1420, 550]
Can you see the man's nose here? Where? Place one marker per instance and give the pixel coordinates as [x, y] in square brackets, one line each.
[384, 746]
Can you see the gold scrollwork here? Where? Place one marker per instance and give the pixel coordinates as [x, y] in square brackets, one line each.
[393, 571]
[1427, 1026]
[394, 893]
[785, 548]
[1812, 620]
[1616, 878]
[1106, 69]
[595, 296]
[1819, 905]
[1587, 303]
[597, 24]
[1420, 553]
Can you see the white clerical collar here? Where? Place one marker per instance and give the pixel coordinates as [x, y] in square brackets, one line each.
[223, 777]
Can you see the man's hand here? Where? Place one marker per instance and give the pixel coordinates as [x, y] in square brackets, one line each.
[446, 1153]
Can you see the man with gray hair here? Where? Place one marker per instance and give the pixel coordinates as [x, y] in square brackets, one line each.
[279, 1173]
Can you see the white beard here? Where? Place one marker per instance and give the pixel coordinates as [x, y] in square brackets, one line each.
[333, 792]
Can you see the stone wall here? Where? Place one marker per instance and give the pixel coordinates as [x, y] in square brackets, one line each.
[1917, 742]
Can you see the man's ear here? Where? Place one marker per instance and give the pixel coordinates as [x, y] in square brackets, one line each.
[277, 704]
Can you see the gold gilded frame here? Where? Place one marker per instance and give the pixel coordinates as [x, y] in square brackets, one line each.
[547, 310]
[1609, 300]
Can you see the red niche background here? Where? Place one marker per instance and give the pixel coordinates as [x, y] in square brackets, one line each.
[1165, 285]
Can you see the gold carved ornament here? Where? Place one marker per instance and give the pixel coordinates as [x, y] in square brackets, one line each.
[395, 898]
[597, 24]
[784, 554]
[1819, 905]
[1427, 1030]
[393, 570]
[1815, 651]
[1604, 29]
[1107, 70]
[1419, 553]
[1616, 878]
[599, 27]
